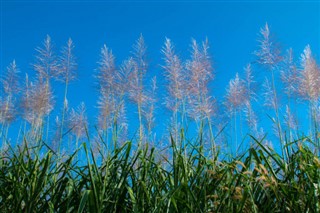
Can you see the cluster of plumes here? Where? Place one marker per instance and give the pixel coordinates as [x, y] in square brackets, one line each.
[240, 97]
[187, 85]
[112, 83]
[117, 84]
[35, 97]
[143, 97]
[188, 82]
[303, 81]
[38, 100]
[187, 88]
[299, 82]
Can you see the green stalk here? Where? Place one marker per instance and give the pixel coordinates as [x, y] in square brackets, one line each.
[63, 113]
[235, 130]
[315, 126]
[282, 142]
[48, 116]
[140, 124]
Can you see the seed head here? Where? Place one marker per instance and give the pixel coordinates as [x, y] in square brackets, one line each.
[37, 101]
[8, 112]
[309, 79]
[46, 62]
[236, 94]
[10, 81]
[77, 121]
[67, 63]
[269, 52]
[175, 75]
[289, 74]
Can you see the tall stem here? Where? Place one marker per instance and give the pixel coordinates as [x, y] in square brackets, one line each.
[63, 113]
[212, 140]
[282, 143]
[235, 130]
[140, 124]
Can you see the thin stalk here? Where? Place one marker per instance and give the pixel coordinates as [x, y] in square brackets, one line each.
[235, 130]
[115, 133]
[63, 113]
[175, 115]
[212, 140]
[183, 118]
[315, 125]
[48, 116]
[282, 143]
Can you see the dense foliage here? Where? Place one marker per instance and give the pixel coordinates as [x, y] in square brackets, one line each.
[142, 181]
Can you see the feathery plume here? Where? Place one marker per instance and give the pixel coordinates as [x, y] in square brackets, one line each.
[107, 84]
[200, 68]
[139, 53]
[107, 69]
[269, 52]
[251, 117]
[78, 122]
[236, 94]
[138, 67]
[112, 85]
[290, 120]
[10, 81]
[148, 108]
[175, 75]
[269, 97]
[251, 96]
[106, 108]
[10, 87]
[289, 74]
[8, 112]
[309, 79]
[67, 63]
[250, 83]
[46, 63]
[37, 102]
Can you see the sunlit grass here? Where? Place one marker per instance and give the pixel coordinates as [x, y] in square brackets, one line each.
[142, 180]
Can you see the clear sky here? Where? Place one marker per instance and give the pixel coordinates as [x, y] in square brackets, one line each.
[230, 26]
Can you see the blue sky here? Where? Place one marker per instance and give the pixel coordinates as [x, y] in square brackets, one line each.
[231, 28]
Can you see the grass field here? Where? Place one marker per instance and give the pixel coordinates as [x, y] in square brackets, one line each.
[141, 180]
